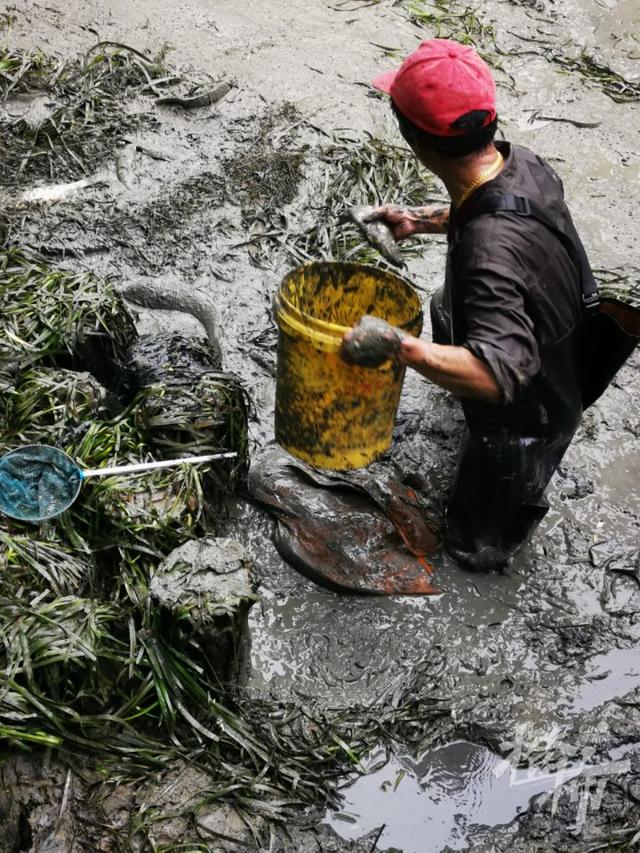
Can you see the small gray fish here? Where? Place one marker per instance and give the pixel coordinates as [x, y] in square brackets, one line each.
[125, 165]
[372, 342]
[191, 103]
[54, 192]
[377, 234]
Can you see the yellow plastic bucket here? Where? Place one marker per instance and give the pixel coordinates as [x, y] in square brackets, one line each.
[328, 413]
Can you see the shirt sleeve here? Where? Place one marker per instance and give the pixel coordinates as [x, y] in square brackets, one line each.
[499, 330]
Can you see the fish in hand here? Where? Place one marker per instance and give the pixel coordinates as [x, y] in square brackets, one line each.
[377, 234]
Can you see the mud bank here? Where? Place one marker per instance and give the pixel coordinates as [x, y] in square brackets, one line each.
[536, 667]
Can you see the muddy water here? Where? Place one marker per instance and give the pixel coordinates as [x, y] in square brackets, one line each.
[553, 639]
[435, 801]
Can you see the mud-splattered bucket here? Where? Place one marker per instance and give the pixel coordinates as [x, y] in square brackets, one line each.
[329, 413]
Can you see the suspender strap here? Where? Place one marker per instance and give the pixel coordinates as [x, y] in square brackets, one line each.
[523, 206]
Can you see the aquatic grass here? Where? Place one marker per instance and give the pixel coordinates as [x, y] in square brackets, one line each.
[129, 523]
[195, 416]
[593, 71]
[89, 114]
[85, 663]
[350, 171]
[49, 313]
[448, 19]
[30, 561]
[21, 71]
[617, 87]
[262, 183]
[113, 680]
[177, 203]
[136, 695]
[263, 177]
[45, 403]
[52, 631]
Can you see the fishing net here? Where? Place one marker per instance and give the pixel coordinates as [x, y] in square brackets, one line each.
[37, 482]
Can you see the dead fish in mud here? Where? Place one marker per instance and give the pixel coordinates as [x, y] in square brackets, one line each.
[371, 342]
[154, 153]
[165, 297]
[55, 192]
[204, 100]
[377, 234]
[125, 163]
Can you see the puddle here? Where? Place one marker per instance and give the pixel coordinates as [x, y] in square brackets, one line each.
[436, 801]
[611, 674]
[622, 479]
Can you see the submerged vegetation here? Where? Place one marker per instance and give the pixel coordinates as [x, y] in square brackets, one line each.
[50, 314]
[86, 665]
[369, 171]
[89, 666]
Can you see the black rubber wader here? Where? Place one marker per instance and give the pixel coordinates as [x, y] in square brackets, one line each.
[510, 453]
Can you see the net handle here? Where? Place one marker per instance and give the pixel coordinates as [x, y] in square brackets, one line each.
[151, 466]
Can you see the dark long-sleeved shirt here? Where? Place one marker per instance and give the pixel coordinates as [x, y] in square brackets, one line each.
[511, 288]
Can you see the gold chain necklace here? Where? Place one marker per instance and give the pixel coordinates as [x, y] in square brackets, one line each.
[484, 176]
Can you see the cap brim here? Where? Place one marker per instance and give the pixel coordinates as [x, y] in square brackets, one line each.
[384, 82]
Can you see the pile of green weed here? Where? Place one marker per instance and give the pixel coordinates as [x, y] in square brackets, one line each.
[50, 314]
[89, 113]
[86, 664]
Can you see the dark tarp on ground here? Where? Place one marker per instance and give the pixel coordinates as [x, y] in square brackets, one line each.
[354, 531]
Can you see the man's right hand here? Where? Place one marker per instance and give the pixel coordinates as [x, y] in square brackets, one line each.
[406, 221]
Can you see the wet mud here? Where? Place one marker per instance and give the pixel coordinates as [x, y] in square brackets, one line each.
[372, 342]
[530, 673]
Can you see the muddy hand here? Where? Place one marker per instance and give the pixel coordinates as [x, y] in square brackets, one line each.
[371, 342]
[377, 233]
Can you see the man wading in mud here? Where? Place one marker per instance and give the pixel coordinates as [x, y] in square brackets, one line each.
[511, 298]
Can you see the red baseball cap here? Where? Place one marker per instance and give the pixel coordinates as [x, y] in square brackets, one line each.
[438, 83]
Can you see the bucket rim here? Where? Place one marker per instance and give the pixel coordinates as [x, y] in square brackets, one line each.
[336, 328]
